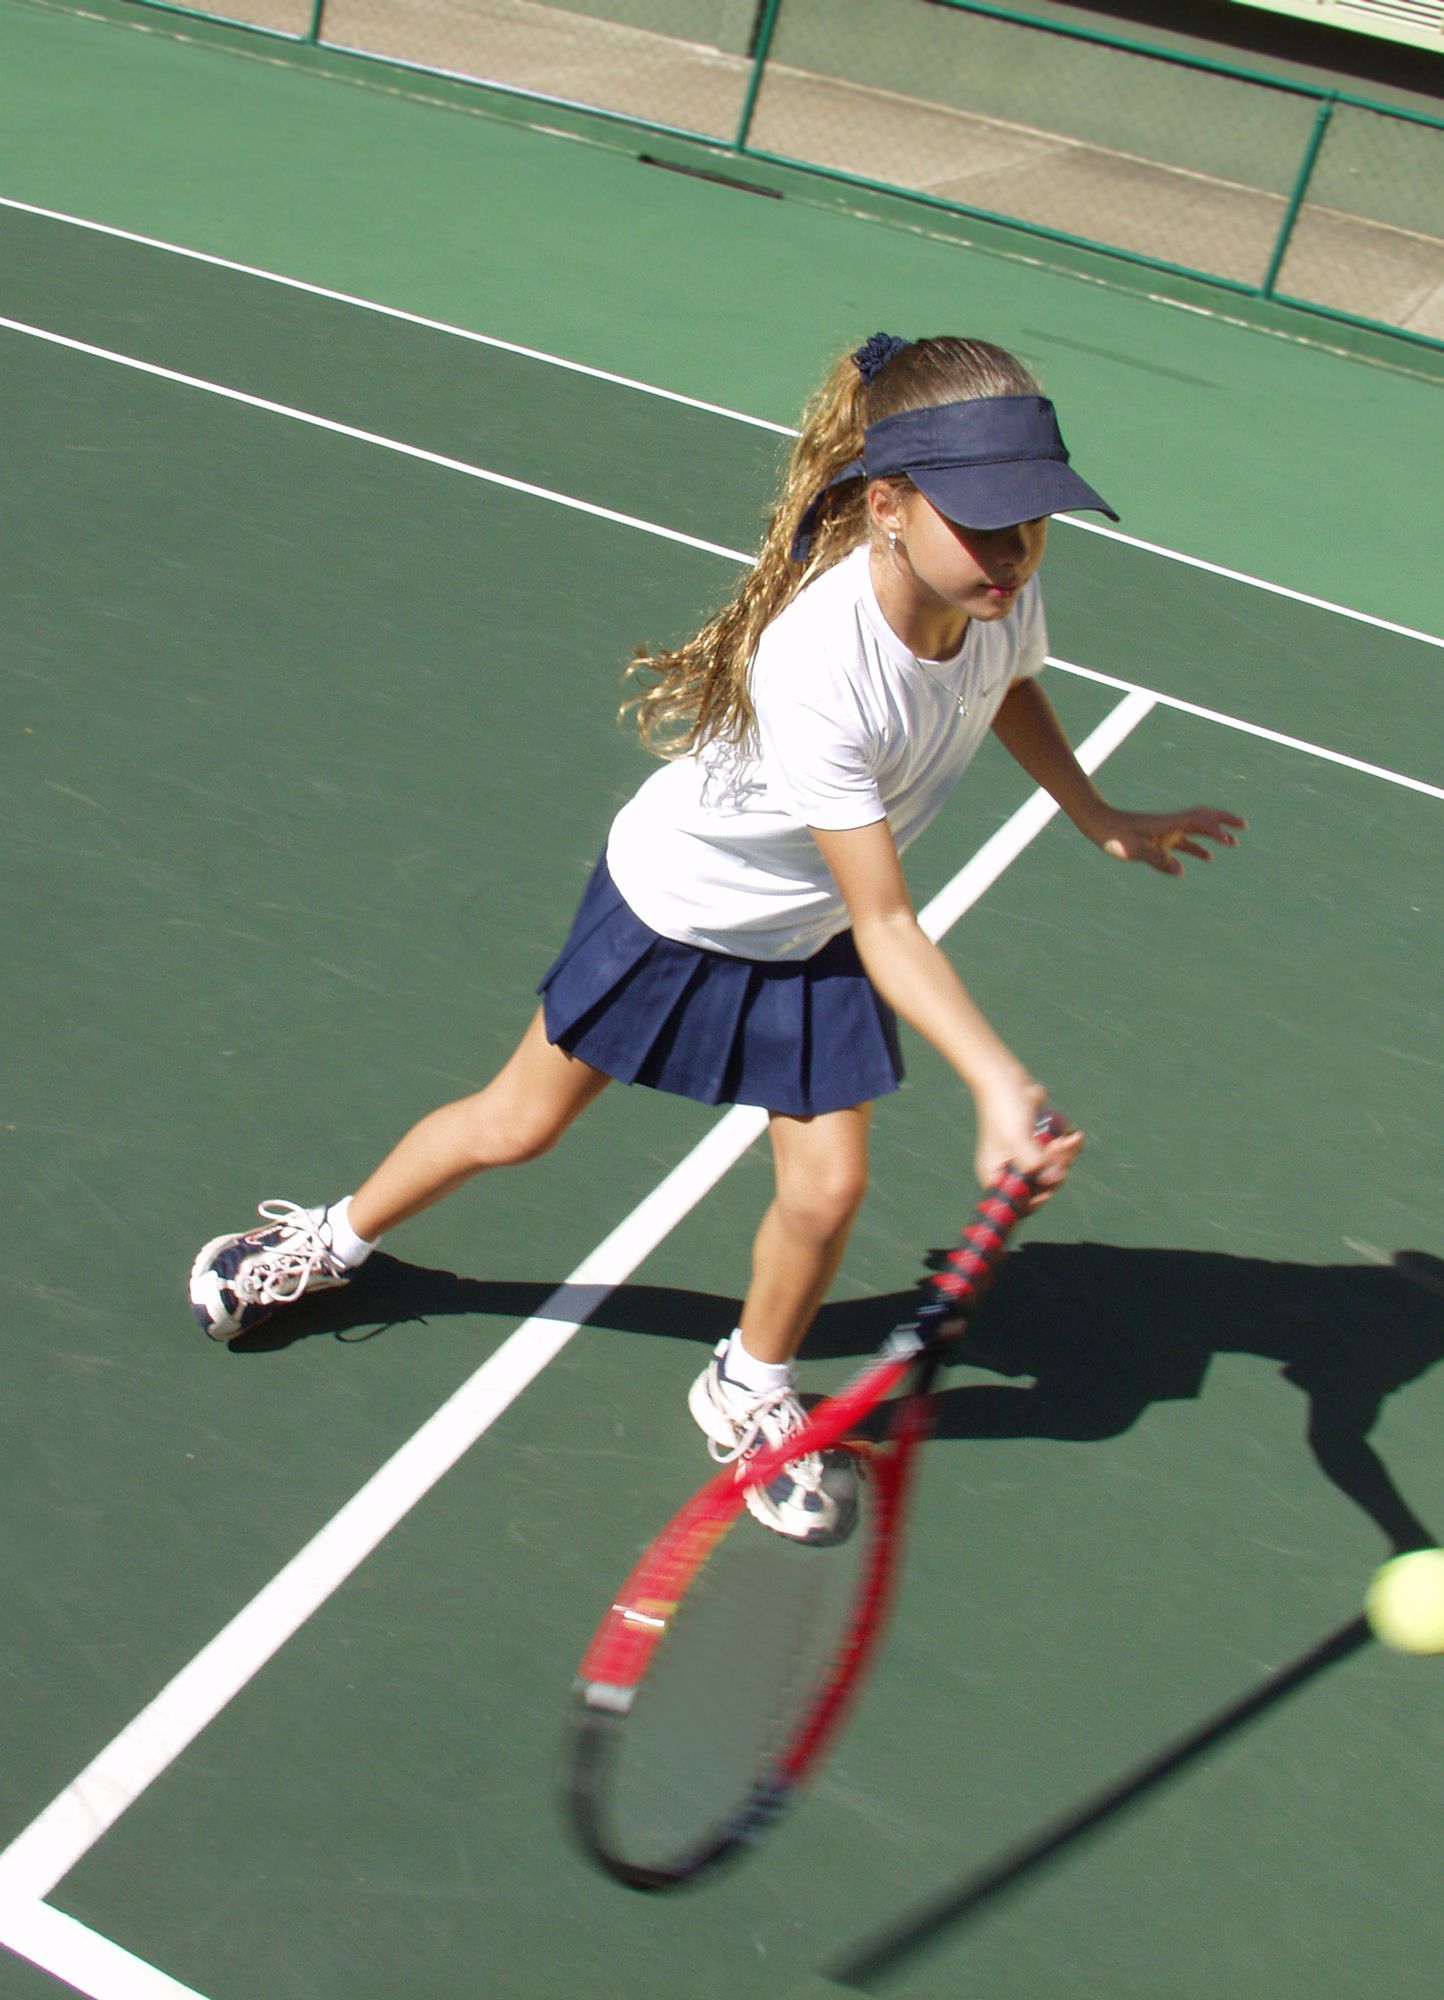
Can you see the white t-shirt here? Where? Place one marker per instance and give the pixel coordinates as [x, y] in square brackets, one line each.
[715, 848]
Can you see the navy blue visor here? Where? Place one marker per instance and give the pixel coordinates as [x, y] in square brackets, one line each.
[986, 463]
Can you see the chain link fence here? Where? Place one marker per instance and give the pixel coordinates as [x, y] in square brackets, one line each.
[682, 64]
[1274, 188]
[1366, 240]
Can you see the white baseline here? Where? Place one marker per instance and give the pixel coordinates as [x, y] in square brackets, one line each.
[669, 395]
[463, 466]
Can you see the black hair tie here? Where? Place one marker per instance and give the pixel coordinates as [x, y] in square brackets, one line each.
[875, 354]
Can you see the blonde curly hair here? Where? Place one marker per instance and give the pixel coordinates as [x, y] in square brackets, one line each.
[698, 693]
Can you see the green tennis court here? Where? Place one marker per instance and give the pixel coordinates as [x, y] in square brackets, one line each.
[326, 539]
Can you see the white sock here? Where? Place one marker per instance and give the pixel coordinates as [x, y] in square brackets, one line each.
[758, 1378]
[335, 1218]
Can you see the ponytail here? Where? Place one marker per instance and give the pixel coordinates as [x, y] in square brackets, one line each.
[698, 693]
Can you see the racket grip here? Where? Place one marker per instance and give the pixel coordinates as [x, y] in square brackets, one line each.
[965, 1272]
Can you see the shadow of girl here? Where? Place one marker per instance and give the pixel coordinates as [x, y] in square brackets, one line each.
[1091, 1332]
[1101, 1332]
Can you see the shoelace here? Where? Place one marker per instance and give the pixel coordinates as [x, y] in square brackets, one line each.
[276, 1276]
[783, 1407]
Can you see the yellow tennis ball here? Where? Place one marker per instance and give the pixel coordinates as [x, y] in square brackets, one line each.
[1405, 1602]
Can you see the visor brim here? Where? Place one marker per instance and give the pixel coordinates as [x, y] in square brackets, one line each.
[986, 497]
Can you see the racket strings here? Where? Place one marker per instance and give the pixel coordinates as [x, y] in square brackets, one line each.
[702, 1718]
[744, 1661]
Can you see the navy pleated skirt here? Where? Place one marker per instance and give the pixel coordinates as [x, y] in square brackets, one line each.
[799, 1036]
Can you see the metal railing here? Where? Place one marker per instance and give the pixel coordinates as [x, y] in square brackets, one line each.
[1277, 189]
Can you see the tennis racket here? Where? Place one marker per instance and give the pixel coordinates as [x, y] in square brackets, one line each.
[722, 1671]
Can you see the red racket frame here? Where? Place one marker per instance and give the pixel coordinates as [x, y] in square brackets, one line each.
[615, 1664]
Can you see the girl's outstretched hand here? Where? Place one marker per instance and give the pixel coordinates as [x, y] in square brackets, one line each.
[1159, 838]
[1008, 1115]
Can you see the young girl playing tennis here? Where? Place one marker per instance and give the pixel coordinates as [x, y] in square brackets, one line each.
[747, 936]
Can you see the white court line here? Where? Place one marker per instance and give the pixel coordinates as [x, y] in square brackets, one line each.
[330, 424]
[470, 471]
[672, 396]
[1257, 729]
[1254, 582]
[83, 1958]
[959, 895]
[41, 1856]
[407, 318]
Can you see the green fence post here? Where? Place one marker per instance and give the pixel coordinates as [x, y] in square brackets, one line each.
[1296, 199]
[761, 43]
[313, 33]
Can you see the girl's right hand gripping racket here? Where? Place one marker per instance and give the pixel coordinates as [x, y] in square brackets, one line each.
[718, 1677]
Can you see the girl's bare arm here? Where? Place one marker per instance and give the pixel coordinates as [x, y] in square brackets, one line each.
[1030, 732]
[916, 978]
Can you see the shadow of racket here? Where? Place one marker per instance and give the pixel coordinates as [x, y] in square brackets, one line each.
[889, 1951]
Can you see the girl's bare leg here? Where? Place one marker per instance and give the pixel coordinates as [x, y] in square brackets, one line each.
[821, 1166]
[524, 1110]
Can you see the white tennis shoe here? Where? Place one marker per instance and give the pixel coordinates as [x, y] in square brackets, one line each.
[814, 1499]
[238, 1281]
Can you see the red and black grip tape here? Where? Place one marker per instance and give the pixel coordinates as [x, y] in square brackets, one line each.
[967, 1270]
